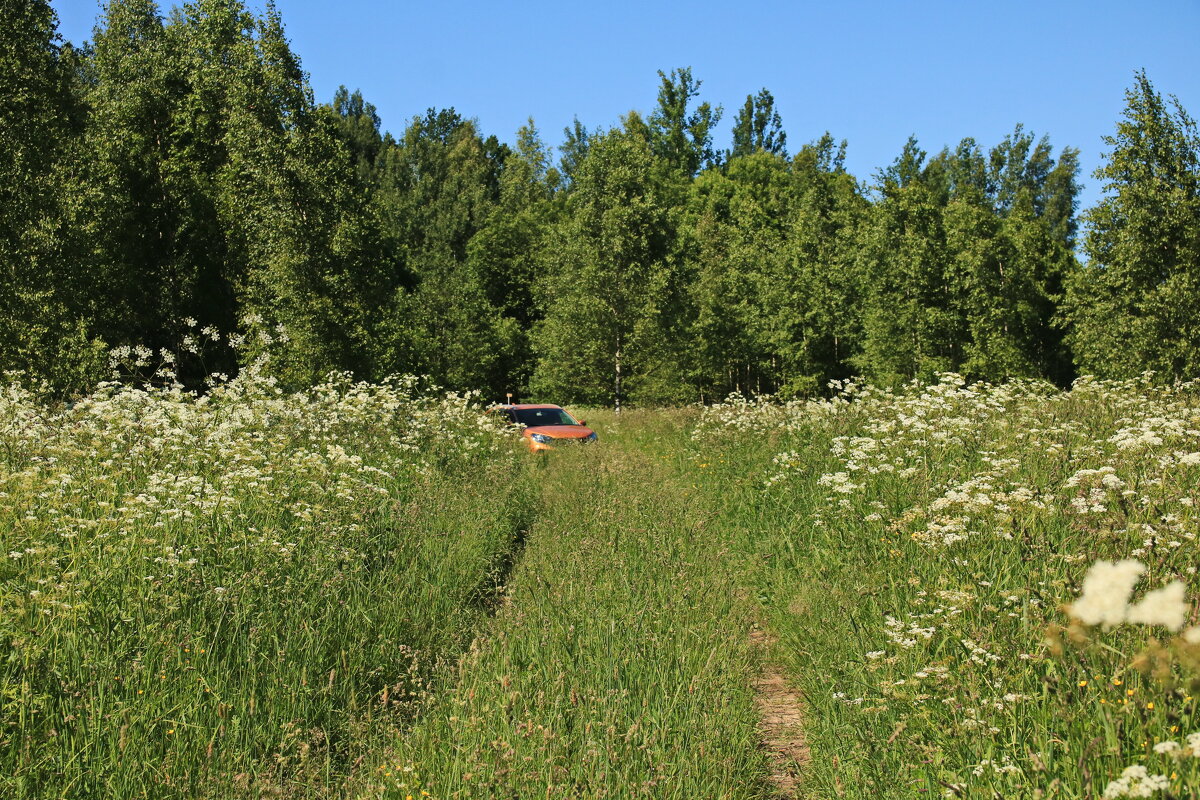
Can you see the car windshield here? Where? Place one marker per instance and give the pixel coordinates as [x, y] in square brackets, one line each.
[531, 417]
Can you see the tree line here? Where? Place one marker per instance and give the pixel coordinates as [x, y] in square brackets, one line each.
[175, 178]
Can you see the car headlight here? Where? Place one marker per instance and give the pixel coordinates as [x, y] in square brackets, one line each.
[541, 438]
[591, 437]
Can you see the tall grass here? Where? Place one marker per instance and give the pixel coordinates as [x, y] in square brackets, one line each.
[921, 554]
[241, 594]
[620, 664]
[361, 591]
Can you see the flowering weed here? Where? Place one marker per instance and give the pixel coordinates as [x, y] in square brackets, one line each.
[240, 593]
[984, 590]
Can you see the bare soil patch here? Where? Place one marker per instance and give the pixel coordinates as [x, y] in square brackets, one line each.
[782, 713]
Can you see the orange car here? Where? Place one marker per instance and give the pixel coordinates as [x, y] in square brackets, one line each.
[546, 425]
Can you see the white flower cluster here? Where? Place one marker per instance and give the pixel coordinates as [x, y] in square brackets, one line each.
[1002, 767]
[992, 501]
[1136, 781]
[1150, 433]
[739, 416]
[839, 482]
[1107, 588]
[1191, 748]
[977, 654]
[1105, 477]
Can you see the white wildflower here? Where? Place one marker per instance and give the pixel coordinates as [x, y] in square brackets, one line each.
[1136, 781]
[1111, 481]
[1106, 591]
[1165, 606]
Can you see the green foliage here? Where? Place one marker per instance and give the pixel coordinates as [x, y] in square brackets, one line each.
[606, 278]
[773, 241]
[179, 169]
[758, 127]
[208, 186]
[963, 260]
[610, 284]
[438, 187]
[1135, 305]
[358, 129]
[681, 136]
[574, 148]
[734, 240]
[43, 303]
[811, 330]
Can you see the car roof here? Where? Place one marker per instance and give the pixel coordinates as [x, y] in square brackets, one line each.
[529, 405]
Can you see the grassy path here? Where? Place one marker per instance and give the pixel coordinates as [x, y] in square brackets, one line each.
[621, 664]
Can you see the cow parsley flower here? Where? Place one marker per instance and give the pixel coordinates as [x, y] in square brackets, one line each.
[1106, 591]
[1136, 781]
[1165, 606]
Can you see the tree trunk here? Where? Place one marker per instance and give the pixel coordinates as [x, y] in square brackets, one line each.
[617, 380]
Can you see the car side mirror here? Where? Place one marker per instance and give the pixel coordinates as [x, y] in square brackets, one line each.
[583, 422]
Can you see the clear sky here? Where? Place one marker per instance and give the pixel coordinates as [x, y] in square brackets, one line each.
[869, 72]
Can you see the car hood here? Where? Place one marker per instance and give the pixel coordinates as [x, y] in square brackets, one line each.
[560, 431]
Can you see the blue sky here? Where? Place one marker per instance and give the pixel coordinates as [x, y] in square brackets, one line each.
[869, 72]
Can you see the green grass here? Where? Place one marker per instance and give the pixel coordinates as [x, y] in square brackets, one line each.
[360, 592]
[242, 596]
[1046, 707]
[620, 664]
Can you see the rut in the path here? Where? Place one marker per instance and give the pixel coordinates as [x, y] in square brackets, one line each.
[782, 714]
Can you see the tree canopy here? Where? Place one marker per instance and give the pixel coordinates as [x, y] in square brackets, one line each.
[1135, 306]
[176, 175]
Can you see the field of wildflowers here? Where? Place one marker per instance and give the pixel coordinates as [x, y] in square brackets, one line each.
[367, 590]
[240, 594]
[983, 591]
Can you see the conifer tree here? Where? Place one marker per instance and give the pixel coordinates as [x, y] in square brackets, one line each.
[574, 149]
[682, 136]
[358, 127]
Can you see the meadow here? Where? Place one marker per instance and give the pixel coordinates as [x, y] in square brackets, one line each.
[982, 591]
[240, 594]
[369, 590]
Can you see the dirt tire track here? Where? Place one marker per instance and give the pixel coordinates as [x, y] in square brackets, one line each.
[782, 719]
